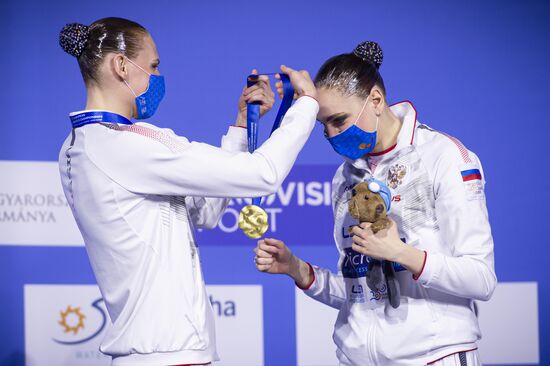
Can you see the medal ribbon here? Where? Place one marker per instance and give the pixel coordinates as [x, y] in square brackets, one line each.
[253, 115]
[86, 118]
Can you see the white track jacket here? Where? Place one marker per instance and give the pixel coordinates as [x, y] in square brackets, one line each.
[439, 207]
[137, 192]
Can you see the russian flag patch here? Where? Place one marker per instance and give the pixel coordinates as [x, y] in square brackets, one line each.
[473, 183]
[470, 174]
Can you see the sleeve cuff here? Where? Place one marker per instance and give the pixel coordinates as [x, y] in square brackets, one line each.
[416, 277]
[432, 268]
[308, 102]
[312, 273]
[235, 139]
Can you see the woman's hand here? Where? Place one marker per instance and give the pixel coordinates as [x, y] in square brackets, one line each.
[300, 80]
[273, 256]
[387, 245]
[259, 92]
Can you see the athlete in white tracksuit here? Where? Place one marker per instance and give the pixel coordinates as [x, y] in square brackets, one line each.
[137, 192]
[435, 211]
[438, 212]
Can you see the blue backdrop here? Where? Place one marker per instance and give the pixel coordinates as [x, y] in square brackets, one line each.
[475, 69]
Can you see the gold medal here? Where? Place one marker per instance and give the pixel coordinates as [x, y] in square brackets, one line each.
[253, 221]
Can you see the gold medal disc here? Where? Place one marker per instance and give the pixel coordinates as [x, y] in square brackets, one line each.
[253, 221]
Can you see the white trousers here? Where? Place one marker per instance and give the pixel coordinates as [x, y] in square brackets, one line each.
[471, 358]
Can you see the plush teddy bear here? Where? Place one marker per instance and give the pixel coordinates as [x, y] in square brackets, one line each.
[370, 202]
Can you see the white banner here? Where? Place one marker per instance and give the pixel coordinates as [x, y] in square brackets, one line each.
[33, 209]
[509, 326]
[64, 325]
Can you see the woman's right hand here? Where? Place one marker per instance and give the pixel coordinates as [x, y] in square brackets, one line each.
[273, 256]
[260, 92]
[300, 80]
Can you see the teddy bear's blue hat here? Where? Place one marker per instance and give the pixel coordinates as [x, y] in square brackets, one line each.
[381, 188]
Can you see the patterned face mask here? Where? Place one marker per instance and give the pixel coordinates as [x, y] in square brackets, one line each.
[148, 101]
[353, 143]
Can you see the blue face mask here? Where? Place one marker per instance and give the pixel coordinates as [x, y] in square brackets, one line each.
[148, 102]
[353, 142]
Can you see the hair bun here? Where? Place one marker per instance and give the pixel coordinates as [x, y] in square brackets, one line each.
[370, 51]
[73, 38]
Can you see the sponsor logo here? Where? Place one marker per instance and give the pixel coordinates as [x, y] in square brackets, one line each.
[379, 293]
[355, 265]
[346, 231]
[30, 207]
[33, 208]
[223, 308]
[357, 295]
[64, 325]
[73, 321]
[357, 289]
[238, 311]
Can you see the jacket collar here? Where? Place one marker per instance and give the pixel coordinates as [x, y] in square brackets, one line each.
[406, 113]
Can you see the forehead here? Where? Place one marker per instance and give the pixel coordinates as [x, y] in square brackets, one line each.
[333, 101]
[148, 49]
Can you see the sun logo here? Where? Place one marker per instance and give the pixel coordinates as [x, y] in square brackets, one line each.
[68, 322]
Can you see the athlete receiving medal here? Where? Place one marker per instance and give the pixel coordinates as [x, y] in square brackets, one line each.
[138, 191]
[439, 238]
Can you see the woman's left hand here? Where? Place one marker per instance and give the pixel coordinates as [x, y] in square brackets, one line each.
[384, 245]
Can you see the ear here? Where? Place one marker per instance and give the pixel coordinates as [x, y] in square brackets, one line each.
[120, 66]
[379, 209]
[378, 99]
